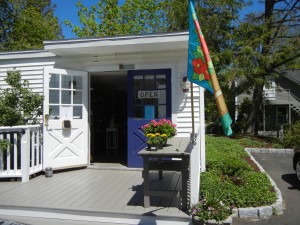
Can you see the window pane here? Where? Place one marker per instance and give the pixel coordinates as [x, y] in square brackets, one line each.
[138, 112]
[161, 81]
[162, 97]
[77, 112]
[54, 96]
[77, 97]
[138, 83]
[162, 111]
[77, 83]
[65, 81]
[54, 112]
[149, 83]
[54, 81]
[66, 97]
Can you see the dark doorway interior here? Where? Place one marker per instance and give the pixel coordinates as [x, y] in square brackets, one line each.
[109, 117]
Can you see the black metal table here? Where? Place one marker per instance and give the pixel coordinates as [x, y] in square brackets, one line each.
[160, 160]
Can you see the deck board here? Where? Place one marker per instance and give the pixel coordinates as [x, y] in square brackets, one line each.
[113, 191]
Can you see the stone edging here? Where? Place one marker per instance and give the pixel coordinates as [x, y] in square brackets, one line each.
[270, 150]
[263, 211]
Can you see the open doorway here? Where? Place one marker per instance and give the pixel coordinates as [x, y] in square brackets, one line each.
[108, 117]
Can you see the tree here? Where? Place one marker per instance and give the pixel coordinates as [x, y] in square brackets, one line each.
[107, 18]
[28, 24]
[265, 45]
[18, 104]
[6, 19]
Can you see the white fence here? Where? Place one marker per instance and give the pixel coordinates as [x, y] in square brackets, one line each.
[23, 153]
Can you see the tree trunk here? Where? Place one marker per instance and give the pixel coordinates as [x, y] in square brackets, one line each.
[252, 126]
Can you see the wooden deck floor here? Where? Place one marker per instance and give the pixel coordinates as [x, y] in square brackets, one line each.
[108, 193]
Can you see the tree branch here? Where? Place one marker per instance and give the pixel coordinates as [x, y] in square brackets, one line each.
[274, 66]
[283, 19]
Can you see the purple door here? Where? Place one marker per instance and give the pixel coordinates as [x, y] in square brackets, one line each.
[149, 97]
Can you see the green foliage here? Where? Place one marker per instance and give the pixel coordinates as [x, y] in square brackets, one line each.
[264, 44]
[258, 142]
[6, 15]
[28, 24]
[230, 181]
[243, 115]
[4, 145]
[163, 126]
[211, 209]
[292, 135]
[107, 18]
[18, 104]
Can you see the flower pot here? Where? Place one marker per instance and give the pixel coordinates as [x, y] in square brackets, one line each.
[197, 221]
[152, 147]
[165, 142]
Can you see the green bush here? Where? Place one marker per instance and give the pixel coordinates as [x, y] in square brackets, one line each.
[292, 135]
[18, 104]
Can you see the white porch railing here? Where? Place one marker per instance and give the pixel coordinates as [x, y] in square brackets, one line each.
[24, 154]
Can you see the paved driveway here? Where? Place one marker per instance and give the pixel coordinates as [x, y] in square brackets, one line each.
[279, 167]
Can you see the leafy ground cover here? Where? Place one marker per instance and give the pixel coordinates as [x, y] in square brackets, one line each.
[257, 142]
[231, 180]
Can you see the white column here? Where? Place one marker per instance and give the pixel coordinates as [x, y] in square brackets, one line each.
[25, 155]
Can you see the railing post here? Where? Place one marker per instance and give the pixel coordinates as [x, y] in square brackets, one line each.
[25, 155]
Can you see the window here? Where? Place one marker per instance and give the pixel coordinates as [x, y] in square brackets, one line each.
[149, 96]
[65, 96]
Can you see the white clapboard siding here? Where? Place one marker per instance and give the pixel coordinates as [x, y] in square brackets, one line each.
[183, 101]
[31, 69]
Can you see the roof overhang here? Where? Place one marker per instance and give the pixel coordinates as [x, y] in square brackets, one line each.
[118, 45]
[25, 54]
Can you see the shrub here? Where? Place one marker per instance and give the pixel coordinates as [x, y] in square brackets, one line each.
[18, 104]
[292, 135]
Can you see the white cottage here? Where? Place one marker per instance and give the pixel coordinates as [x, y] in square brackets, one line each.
[98, 92]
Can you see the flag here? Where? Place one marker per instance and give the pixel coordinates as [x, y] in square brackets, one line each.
[201, 70]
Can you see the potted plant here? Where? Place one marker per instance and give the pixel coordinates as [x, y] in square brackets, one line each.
[157, 132]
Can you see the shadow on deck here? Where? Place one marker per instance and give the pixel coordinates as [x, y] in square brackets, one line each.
[94, 195]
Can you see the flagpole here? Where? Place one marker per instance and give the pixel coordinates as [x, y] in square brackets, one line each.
[192, 106]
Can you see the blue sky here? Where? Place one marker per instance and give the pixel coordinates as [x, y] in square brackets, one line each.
[66, 9]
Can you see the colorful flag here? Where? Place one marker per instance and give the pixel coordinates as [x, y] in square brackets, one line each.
[201, 70]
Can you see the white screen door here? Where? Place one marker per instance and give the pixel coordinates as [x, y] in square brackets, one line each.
[65, 118]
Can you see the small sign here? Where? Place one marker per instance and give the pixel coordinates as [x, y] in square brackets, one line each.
[149, 112]
[66, 112]
[148, 94]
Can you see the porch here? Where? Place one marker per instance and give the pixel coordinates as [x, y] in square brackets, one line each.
[92, 194]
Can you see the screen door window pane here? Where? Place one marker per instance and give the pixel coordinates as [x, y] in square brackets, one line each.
[54, 96]
[77, 83]
[54, 112]
[54, 81]
[66, 97]
[77, 97]
[66, 82]
[77, 112]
